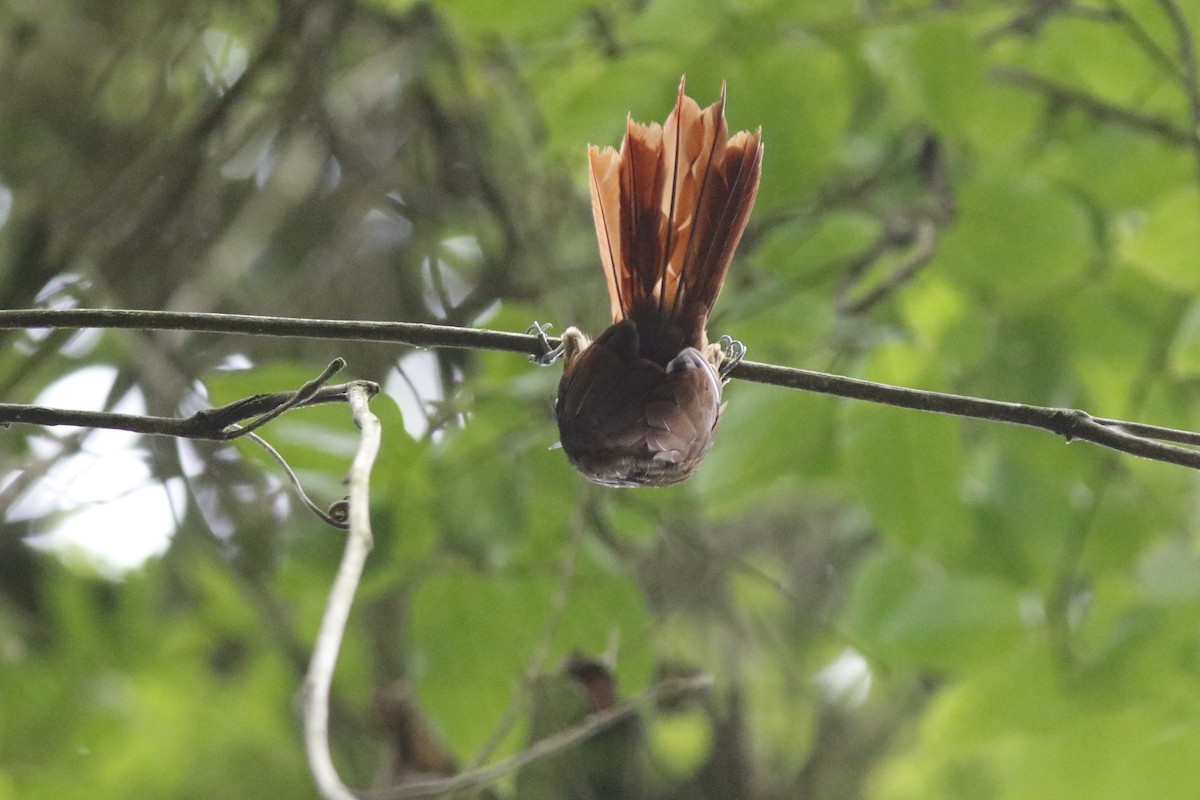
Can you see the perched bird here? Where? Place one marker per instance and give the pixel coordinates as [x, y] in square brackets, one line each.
[639, 405]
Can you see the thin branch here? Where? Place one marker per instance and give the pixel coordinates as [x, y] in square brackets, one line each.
[299, 397]
[552, 745]
[1144, 40]
[211, 424]
[1189, 76]
[412, 333]
[420, 402]
[1069, 423]
[1152, 431]
[34, 470]
[1066, 583]
[334, 517]
[1096, 107]
[1128, 437]
[341, 598]
[1034, 18]
[920, 254]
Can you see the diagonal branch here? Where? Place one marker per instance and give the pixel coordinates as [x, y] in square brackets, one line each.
[1095, 106]
[1144, 40]
[592, 725]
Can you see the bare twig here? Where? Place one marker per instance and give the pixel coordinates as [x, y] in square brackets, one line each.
[920, 254]
[299, 397]
[341, 597]
[328, 517]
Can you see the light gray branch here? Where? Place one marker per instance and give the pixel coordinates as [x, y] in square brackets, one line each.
[341, 598]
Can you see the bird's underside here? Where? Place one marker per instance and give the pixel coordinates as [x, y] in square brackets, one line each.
[639, 406]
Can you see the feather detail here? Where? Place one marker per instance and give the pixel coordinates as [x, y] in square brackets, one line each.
[606, 211]
[670, 208]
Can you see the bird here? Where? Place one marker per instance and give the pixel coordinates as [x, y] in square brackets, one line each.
[639, 405]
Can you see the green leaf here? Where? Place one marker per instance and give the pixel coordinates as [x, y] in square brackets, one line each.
[768, 439]
[680, 742]
[1117, 169]
[948, 68]
[481, 17]
[473, 635]
[1066, 51]
[403, 504]
[317, 442]
[1184, 357]
[906, 466]
[912, 613]
[1025, 727]
[1016, 239]
[586, 102]
[803, 121]
[1170, 574]
[802, 248]
[1033, 492]
[945, 323]
[1110, 328]
[954, 622]
[1165, 244]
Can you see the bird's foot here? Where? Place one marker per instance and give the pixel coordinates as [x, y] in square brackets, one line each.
[548, 354]
[732, 353]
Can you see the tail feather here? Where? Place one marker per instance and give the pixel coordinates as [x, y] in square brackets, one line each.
[606, 210]
[721, 220]
[670, 209]
[643, 176]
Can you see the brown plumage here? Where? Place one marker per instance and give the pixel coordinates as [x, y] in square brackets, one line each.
[639, 405]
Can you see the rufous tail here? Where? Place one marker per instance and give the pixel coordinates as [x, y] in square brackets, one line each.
[670, 208]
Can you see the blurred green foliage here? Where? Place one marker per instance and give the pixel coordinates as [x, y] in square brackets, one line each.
[990, 198]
